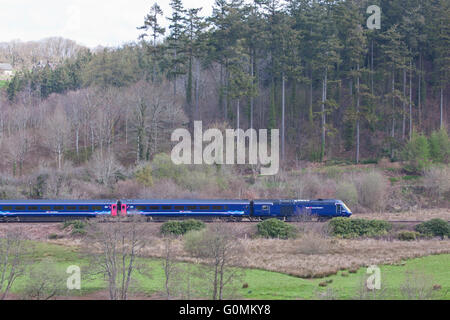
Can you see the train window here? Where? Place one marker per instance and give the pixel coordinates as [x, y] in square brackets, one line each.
[97, 208]
[8, 208]
[58, 208]
[204, 207]
[217, 208]
[84, 208]
[71, 208]
[19, 208]
[46, 208]
[179, 207]
[192, 207]
[167, 207]
[154, 208]
[141, 208]
[32, 208]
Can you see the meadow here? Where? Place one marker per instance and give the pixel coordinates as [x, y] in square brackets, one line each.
[425, 277]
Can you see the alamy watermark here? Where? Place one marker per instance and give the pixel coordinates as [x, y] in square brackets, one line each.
[374, 280]
[231, 151]
[74, 280]
[374, 21]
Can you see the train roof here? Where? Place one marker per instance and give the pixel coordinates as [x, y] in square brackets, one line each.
[41, 202]
[182, 201]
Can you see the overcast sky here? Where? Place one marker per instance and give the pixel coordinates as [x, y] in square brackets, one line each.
[89, 22]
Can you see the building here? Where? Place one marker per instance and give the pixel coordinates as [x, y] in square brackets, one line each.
[6, 70]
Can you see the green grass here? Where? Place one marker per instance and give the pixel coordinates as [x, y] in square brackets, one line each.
[264, 284]
[3, 83]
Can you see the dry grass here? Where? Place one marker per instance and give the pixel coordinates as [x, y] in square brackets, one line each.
[296, 258]
[418, 215]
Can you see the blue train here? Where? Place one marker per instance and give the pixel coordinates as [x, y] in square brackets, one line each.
[154, 209]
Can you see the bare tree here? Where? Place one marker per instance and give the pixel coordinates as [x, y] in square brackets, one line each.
[170, 266]
[104, 167]
[113, 248]
[46, 280]
[221, 250]
[13, 253]
[155, 111]
[57, 128]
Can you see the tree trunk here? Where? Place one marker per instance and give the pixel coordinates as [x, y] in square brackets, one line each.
[324, 98]
[404, 106]
[357, 116]
[283, 111]
[442, 106]
[410, 100]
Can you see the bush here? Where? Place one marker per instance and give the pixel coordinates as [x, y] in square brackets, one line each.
[164, 168]
[372, 188]
[434, 227]
[440, 146]
[144, 175]
[437, 181]
[353, 228]
[274, 228]
[417, 153]
[78, 227]
[347, 192]
[181, 227]
[408, 235]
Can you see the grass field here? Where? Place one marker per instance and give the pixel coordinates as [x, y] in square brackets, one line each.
[426, 272]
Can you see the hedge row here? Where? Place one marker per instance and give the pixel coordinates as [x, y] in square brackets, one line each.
[354, 228]
[274, 228]
[181, 227]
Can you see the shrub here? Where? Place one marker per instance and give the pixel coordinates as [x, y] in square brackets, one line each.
[353, 228]
[439, 146]
[144, 175]
[274, 228]
[372, 188]
[164, 168]
[347, 192]
[408, 235]
[434, 227]
[417, 153]
[181, 227]
[78, 227]
[437, 181]
[314, 243]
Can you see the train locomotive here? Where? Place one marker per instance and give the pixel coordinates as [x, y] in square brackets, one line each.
[161, 210]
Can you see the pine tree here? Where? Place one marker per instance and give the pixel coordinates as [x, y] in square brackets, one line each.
[152, 24]
[175, 45]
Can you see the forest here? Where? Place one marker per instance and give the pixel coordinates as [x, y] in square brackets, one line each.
[338, 91]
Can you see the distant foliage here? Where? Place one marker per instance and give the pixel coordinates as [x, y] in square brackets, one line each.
[408, 235]
[417, 154]
[347, 192]
[181, 227]
[354, 228]
[144, 175]
[78, 227]
[372, 188]
[439, 143]
[435, 228]
[437, 181]
[164, 168]
[274, 228]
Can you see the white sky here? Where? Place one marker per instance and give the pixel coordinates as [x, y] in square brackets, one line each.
[88, 22]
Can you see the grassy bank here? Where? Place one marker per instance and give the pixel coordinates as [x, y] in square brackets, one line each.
[421, 273]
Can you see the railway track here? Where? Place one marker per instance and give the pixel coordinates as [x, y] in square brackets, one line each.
[206, 221]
